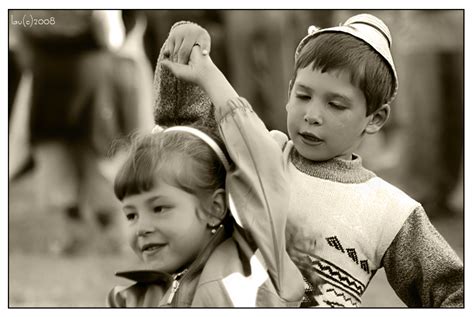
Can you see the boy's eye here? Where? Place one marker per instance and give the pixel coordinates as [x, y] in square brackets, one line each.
[336, 105]
[303, 96]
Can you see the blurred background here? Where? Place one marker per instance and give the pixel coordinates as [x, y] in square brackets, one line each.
[79, 80]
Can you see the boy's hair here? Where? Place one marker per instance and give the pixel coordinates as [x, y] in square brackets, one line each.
[179, 158]
[333, 51]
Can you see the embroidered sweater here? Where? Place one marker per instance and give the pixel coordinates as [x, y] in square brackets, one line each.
[350, 223]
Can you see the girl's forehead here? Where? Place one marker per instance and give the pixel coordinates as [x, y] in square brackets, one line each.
[162, 189]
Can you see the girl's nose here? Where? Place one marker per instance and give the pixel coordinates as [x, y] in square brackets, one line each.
[144, 228]
[144, 231]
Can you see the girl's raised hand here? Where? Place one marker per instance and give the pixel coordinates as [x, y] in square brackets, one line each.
[202, 71]
[200, 66]
[182, 39]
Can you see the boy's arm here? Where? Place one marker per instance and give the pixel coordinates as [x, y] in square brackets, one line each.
[260, 191]
[422, 268]
[258, 184]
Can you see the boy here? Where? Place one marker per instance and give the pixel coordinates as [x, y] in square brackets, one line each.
[343, 219]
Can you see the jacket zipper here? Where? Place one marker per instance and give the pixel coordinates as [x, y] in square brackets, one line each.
[175, 286]
[181, 277]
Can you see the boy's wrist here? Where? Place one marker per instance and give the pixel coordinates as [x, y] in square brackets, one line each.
[209, 76]
[215, 84]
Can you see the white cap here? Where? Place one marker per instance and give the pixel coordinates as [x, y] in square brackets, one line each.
[367, 28]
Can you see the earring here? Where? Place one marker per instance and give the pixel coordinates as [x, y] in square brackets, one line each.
[215, 228]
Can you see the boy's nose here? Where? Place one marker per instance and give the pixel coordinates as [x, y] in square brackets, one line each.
[313, 113]
[313, 118]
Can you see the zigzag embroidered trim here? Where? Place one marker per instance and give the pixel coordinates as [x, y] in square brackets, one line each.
[342, 296]
[337, 276]
[333, 304]
[351, 253]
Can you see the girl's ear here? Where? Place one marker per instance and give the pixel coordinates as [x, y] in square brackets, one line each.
[218, 208]
[378, 119]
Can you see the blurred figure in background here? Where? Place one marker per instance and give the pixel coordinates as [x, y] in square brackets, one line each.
[136, 24]
[434, 88]
[84, 95]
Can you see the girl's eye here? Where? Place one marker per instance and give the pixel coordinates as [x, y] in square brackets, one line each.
[131, 216]
[158, 209]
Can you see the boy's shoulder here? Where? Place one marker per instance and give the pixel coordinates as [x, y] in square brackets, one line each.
[390, 193]
[280, 138]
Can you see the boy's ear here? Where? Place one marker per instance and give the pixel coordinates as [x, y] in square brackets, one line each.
[290, 86]
[378, 119]
[218, 207]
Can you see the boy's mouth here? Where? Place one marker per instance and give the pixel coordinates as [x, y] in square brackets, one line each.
[310, 138]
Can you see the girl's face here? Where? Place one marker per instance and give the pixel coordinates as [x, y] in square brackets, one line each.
[164, 228]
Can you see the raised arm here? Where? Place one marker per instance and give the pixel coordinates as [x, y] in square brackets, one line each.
[258, 185]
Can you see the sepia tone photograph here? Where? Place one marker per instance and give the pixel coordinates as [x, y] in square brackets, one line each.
[236, 158]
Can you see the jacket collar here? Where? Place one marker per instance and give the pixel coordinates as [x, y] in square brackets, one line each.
[148, 276]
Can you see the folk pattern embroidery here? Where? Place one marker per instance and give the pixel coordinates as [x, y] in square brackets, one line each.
[365, 266]
[342, 296]
[334, 242]
[339, 277]
[351, 253]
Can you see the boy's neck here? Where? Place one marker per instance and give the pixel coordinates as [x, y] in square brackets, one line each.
[335, 169]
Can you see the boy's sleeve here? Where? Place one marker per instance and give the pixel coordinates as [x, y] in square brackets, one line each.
[259, 188]
[422, 268]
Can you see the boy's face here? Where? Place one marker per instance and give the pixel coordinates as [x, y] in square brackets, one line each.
[326, 114]
[163, 227]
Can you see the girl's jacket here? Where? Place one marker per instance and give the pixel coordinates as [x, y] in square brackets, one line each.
[251, 268]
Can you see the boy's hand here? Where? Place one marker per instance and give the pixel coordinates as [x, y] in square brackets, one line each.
[199, 67]
[182, 39]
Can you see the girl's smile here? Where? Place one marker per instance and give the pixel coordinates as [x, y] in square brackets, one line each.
[151, 249]
[164, 228]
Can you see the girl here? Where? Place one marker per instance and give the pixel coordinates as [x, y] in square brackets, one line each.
[173, 191]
